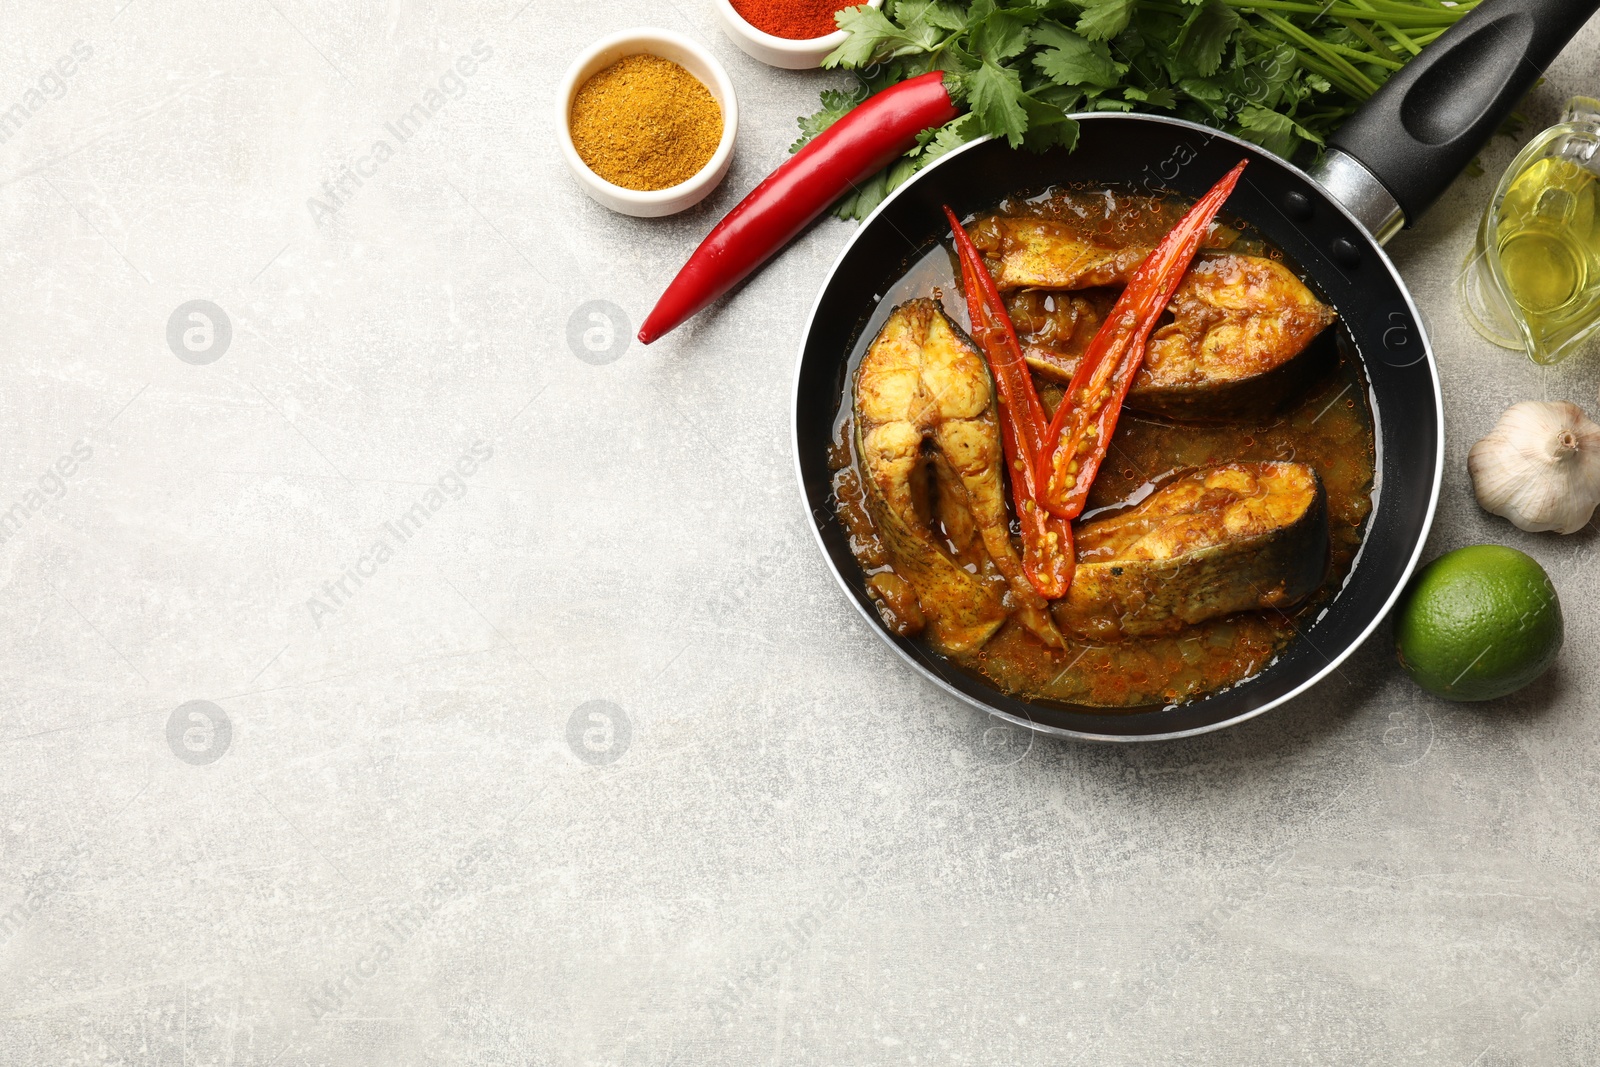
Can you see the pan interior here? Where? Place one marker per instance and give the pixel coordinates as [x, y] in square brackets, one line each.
[1289, 211]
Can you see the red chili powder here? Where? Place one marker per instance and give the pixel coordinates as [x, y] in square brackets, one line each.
[798, 20]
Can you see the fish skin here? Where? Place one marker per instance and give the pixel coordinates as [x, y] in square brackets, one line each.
[1241, 341]
[1240, 537]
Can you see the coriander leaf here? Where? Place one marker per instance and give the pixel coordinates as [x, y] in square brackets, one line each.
[1104, 19]
[859, 203]
[951, 136]
[924, 139]
[978, 10]
[956, 63]
[1068, 59]
[870, 35]
[996, 96]
[1050, 33]
[1273, 130]
[1002, 35]
[1048, 126]
[1203, 90]
[1269, 129]
[1263, 78]
[1206, 35]
[867, 29]
[1160, 98]
[836, 104]
[900, 173]
[1064, 99]
[936, 13]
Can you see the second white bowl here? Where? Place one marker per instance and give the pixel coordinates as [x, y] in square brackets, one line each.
[778, 51]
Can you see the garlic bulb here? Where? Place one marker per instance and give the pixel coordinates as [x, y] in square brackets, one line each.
[1539, 467]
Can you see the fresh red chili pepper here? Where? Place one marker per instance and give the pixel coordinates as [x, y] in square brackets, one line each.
[1048, 555]
[854, 148]
[1081, 432]
[993, 329]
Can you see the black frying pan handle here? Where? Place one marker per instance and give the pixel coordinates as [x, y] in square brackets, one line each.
[1424, 125]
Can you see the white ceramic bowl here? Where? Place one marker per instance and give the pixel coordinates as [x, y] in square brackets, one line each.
[779, 51]
[691, 57]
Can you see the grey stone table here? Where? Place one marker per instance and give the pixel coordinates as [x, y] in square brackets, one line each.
[591, 762]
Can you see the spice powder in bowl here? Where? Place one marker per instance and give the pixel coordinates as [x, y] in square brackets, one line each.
[645, 123]
[796, 20]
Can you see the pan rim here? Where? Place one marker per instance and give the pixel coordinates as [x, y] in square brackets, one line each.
[1333, 664]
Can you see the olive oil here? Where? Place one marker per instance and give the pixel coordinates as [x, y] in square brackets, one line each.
[1547, 239]
[1533, 281]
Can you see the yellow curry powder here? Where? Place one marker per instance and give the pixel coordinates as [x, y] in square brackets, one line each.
[645, 123]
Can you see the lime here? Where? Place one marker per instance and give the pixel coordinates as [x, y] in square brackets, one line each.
[1478, 623]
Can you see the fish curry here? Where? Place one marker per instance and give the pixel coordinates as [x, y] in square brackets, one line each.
[1228, 509]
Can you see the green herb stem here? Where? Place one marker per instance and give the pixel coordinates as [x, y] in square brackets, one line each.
[1434, 21]
[1322, 50]
[1405, 40]
[1384, 12]
[1373, 40]
[1365, 57]
[1335, 77]
[1388, 27]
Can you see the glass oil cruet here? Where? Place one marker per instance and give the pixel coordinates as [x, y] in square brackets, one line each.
[1533, 280]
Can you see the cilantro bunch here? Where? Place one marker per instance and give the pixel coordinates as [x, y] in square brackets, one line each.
[1281, 73]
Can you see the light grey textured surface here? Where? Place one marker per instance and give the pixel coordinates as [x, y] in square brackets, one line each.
[799, 853]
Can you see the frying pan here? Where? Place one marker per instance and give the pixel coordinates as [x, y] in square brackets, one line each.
[1383, 169]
